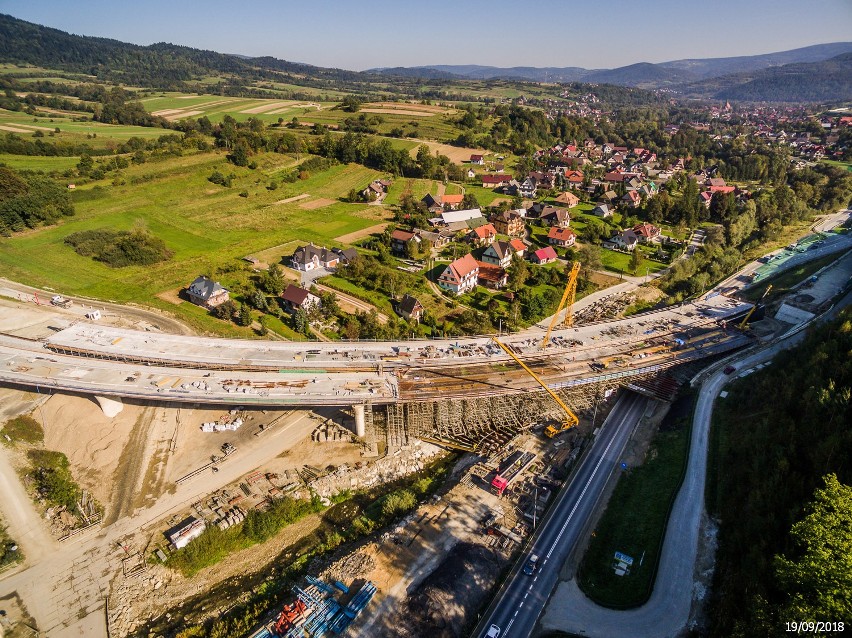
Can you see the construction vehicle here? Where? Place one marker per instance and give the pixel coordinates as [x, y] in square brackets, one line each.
[570, 419]
[61, 302]
[510, 469]
[743, 323]
[567, 302]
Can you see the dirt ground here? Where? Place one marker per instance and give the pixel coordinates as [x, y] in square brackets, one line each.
[360, 234]
[455, 153]
[322, 202]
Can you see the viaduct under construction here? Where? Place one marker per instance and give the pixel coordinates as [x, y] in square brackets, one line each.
[467, 393]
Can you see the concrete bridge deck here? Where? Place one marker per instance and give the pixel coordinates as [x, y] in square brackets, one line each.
[89, 358]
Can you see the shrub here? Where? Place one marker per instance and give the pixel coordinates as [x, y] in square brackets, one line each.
[23, 428]
[119, 248]
[52, 475]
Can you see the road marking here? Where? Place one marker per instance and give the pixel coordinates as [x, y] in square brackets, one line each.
[525, 596]
[509, 626]
[579, 500]
[516, 612]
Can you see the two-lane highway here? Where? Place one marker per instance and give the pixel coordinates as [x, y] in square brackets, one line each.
[523, 597]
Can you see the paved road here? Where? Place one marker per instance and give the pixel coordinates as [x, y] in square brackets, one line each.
[667, 611]
[520, 603]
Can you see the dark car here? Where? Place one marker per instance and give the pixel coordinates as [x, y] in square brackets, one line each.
[531, 565]
[729, 370]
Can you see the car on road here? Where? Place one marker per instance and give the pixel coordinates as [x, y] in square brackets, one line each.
[493, 632]
[729, 370]
[531, 565]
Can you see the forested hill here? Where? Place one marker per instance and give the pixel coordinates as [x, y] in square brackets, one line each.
[829, 80]
[161, 65]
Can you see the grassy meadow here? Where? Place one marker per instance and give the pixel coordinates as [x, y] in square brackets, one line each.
[209, 227]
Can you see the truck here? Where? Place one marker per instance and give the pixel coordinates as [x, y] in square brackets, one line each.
[509, 470]
[60, 301]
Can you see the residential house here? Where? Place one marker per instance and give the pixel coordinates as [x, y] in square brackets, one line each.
[449, 217]
[460, 276]
[528, 187]
[544, 255]
[647, 233]
[437, 239]
[563, 237]
[569, 199]
[543, 180]
[518, 247]
[409, 308]
[400, 239]
[483, 235]
[723, 189]
[614, 177]
[479, 160]
[705, 197]
[347, 255]
[625, 240]
[632, 199]
[295, 298]
[495, 181]
[311, 257]
[492, 276]
[557, 217]
[471, 173]
[207, 293]
[574, 178]
[602, 210]
[377, 189]
[450, 202]
[432, 204]
[508, 222]
[499, 253]
[512, 188]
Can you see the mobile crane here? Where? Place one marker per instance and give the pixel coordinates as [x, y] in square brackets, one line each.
[570, 419]
[754, 307]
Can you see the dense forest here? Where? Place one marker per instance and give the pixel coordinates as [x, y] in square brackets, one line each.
[28, 200]
[779, 434]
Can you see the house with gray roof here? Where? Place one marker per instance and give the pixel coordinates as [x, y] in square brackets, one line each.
[207, 293]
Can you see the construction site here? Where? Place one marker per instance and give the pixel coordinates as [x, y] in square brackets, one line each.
[175, 438]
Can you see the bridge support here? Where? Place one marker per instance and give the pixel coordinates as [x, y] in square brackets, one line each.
[360, 420]
[110, 407]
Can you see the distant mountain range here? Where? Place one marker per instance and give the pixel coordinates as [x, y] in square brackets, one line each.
[816, 73]
[746, 77]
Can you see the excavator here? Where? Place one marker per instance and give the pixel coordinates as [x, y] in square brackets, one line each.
[570, 419]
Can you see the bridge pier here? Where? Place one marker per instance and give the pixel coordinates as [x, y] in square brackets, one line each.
[360, 420]
[110, 407]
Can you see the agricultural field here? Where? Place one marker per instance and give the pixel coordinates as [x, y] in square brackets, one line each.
[208, 227]
[38, 162]
[96, 134]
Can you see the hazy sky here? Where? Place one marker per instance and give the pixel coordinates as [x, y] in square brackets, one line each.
[375, 33]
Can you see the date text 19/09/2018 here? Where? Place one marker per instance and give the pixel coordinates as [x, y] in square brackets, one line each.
[810, 626]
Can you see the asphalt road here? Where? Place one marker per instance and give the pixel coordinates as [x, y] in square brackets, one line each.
[522, 599]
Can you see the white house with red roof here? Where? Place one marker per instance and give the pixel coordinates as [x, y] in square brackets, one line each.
[564, 237]
[460, 276]
[483, 235]
[544, 255]
[647, 233]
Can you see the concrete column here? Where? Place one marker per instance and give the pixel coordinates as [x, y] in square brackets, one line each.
[111, 407]
[360, 423]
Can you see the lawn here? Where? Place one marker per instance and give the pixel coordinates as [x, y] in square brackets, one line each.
[635, 519]
[208, 227]
[417, 187]
[615, 261]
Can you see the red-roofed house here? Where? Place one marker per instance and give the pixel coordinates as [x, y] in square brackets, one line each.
[482, 236]
[477, 159]
[722, 189]
[632, 199]
[574, 178]
[492, 276]
[451, 202]
[295, 298]
[647, 233]
[614, 176]
[460, 276]
[495, 181]
[400, 239]
[561, 237]
[705, 198]
[518, 247]
[544, 255]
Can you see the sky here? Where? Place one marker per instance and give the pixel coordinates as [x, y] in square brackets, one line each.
[386, 33]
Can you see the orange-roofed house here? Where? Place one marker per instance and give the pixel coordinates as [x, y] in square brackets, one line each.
[483, 235]
[460, 276]
[450, 202]
[564, 237]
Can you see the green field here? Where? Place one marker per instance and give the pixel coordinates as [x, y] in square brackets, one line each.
[615, 261]
[96, 134]
[38, 162]
[209, 227]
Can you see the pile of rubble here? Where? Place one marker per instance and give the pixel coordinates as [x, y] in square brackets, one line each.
[605, 309]
[349, 568]
[401, 463]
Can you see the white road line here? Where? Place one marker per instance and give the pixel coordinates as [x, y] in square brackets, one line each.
[579, 500]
